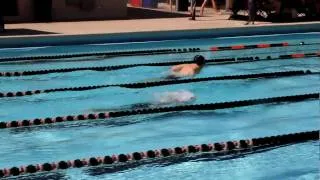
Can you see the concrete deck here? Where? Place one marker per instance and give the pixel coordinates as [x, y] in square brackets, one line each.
[211, 21]
[142, 25]
[125, 26]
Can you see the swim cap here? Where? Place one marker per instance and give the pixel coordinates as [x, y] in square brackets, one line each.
[199, 60]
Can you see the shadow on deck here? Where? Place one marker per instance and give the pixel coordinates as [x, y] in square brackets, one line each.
[23, 31]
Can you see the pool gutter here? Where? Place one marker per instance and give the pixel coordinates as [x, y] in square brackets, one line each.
[56, 40]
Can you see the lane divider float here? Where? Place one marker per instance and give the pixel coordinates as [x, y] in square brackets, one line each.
[148, 52]
[197, 107]
[216, 149]
[242, 47]
[268, 75]
[219, 61]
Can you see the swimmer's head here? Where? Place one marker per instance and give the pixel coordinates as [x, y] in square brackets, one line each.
[199, 60]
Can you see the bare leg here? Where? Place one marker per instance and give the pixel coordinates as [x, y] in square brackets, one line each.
[202, 7]
[214, 6]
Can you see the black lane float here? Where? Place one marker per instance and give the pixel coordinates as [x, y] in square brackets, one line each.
[219, 61]
[148, 52]
[196, 107]
[217, 149]
[280, 74]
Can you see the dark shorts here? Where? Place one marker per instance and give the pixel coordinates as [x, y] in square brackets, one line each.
[251, 6]
[171, 77]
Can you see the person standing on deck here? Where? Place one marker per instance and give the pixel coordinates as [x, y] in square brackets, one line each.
[193, 9]
[204, 4]
[1, 19]
[252, 9]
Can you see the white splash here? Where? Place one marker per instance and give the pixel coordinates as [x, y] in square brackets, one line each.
[181, 96]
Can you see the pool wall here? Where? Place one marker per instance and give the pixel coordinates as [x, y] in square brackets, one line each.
[55, 40]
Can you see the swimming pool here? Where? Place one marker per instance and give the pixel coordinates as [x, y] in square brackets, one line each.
[82, 139]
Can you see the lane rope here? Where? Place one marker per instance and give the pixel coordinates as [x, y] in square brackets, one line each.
[196, 107]
[217, 149]
[219, 61]
[280, 74]
[150, 52]
[241, 47]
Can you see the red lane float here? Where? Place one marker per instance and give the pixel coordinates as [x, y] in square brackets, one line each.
[298, 55]
[263, 45]
[237, 47]
[285, 44]
[241, 47]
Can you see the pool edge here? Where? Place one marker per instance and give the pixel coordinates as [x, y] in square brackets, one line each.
[56, 40]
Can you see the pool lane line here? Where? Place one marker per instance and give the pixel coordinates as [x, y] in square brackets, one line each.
[218, 149]
[242, 47]
[196, 107]
[220, 61]
[149, 52]
[149, 84]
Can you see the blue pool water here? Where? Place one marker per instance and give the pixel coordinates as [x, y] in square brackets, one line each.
[75, 140]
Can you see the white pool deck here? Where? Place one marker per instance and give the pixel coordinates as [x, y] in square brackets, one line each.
[211, 21]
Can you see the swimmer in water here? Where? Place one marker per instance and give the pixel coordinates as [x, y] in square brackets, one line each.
[187, 70]
[161, 99]
[177, 97]
[166, 99]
